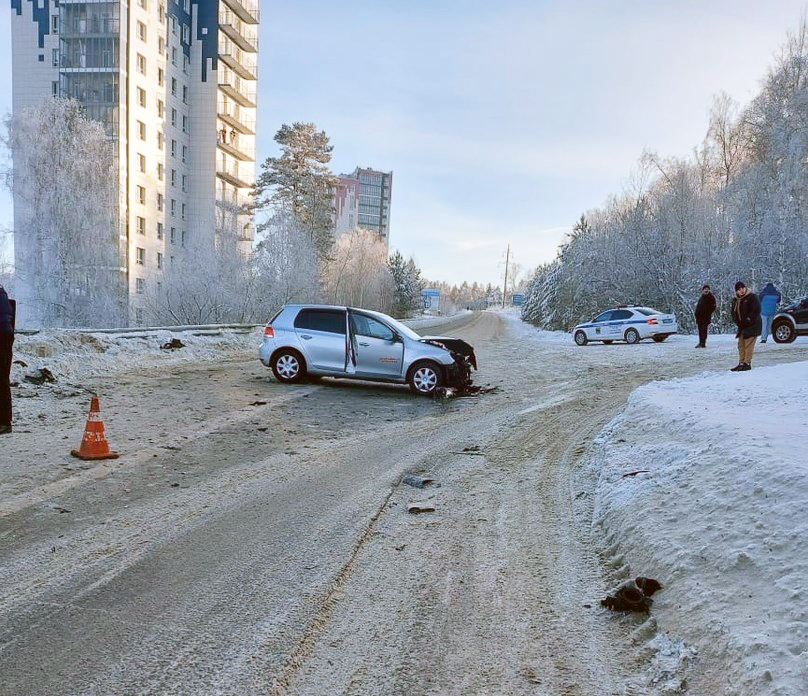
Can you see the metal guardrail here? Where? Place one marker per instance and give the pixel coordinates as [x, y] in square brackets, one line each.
[137, 332]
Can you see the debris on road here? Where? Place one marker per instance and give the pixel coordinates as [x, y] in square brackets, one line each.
[416, 481]
[416, 508]
[634, 595]
[40, 376]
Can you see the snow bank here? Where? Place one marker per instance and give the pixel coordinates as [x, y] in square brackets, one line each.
[703, 486]
[72, 355]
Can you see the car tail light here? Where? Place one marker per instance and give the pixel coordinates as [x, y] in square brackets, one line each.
[651, 321]
[269, 332]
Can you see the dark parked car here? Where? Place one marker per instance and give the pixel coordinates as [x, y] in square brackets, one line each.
[791, 322]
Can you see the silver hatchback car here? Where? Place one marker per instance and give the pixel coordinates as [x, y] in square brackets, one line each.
[333, 341]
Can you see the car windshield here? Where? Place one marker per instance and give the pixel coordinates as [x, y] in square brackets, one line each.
[647, 311]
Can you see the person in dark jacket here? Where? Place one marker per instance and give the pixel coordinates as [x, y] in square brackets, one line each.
[6, 343]
[704, 314]
[746, 315]
[769, 299]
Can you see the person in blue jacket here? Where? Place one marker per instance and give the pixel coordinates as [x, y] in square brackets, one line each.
[6, 343]
[769, 299]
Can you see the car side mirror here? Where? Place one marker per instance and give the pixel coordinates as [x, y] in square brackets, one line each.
[397, 338]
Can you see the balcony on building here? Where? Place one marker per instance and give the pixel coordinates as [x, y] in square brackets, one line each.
[234, 202]
[240, 33]
[235, 117]
[240, 62]
[230, 172]
[236, 145]
[239, 90]
[246, 10]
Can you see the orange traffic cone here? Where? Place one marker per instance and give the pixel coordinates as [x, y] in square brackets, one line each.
[94, 444]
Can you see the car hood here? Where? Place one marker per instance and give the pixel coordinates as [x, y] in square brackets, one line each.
[453, 345]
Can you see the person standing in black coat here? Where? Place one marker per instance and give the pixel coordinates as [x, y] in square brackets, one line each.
[704, 314]
[746, 315]
[6, 343]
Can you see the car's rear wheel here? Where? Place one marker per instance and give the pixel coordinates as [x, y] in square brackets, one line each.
[659, 339]
[288, 366]
[783, 332]
[425, 377]
[580, 338]
[632, 336]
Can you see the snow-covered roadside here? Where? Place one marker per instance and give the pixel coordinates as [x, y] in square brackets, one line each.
[72, 355]
[703, 485]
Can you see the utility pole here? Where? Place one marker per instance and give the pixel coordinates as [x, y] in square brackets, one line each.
[505, 288]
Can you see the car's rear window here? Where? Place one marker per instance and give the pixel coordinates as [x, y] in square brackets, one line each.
[330, 320]
[647, 311]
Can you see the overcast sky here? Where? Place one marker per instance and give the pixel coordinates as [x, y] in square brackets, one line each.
[502, 122]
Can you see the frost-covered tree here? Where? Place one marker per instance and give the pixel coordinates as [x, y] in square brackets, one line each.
[356, 272]
[67, 243]
[300, 183]
[285, 261]
[407, 285]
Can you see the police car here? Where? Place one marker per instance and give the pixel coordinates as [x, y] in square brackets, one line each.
[626, 323]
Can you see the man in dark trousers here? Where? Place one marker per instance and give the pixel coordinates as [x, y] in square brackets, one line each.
[6, 342]
[746, 315]
[704, 314]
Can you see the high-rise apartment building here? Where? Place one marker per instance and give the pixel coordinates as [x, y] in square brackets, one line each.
[363, 200]
[174, 83]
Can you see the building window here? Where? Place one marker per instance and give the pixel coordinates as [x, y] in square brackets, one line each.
[159, 260]
[141, 161]
[160, 139]
[159, 230]
[186, 34]
[141, 96]
[141, 31]
[174, 86]
[142, 3]
[141, 225]
[173, 177]
[184, 152]
[173, 210]
[140, 286]
[182, 241]
[173, 117]
[141, 130]
[160, 202]
[140, 256]
[160, 75]
[173, 148]
[160, 171]
[55, 24]
[185, 94]
[141, 64]
[160, 108]
[55, 57]
[55, 88]
[161, 12]
[184, 124]
[141, 195]
[174, 55]
[183, 212]
[184, 183]
[173, 237]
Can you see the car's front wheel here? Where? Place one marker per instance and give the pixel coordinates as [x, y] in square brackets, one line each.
[783, 332]
[580, 338]
[288, 366]
[424, 378]
[632, 336]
